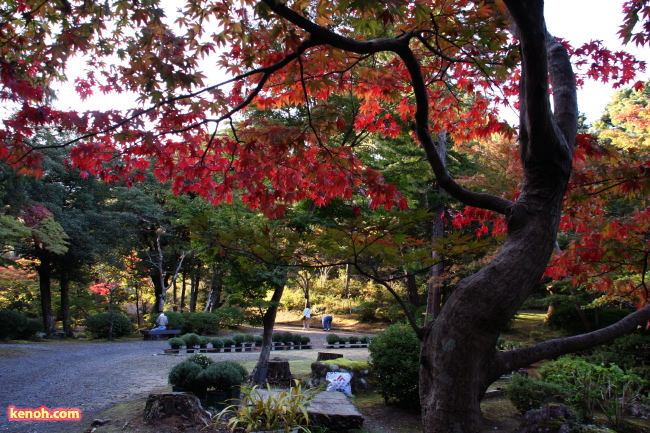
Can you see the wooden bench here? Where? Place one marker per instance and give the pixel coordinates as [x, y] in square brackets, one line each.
[154, 335]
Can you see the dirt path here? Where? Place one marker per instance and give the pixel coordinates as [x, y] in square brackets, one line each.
[92, 376]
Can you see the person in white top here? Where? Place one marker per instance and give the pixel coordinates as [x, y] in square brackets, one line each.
[306, 318]
[162, 322]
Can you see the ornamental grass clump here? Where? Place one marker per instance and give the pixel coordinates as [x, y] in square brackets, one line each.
[269, 411]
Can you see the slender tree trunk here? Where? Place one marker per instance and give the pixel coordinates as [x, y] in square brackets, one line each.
[347, 285]
[137, 303]
[183, 285]
[412, 289]
[434, 293]
[45, 285]
[64, 284]
[269, 322]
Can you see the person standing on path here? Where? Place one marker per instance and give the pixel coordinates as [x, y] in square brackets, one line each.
[327, 323]
[306, 317]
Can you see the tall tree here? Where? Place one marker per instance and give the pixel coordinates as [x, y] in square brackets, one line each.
[300, 54]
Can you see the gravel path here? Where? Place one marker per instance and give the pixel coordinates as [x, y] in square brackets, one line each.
[93, 376]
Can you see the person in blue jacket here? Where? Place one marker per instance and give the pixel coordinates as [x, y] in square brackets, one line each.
[327, 322]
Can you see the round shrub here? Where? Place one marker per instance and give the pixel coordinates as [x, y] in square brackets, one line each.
[287, 337]
[204, 341]
[528, 393]
[99, 323]
[343, 339]
[277, 337]
[353, 339]
[227, 342]
[223, 375]
[32, 327]
[186, 375]
[394, 358]
[249, 338]
[258, 339]
[216, 342]
[203, 323]
[364, 339]
[297, 339]
[229, 317]
[332, 338]
[304, 339]
[175, 341]
[239, 339]
[191, 340]
[200, 359]
[12, 324]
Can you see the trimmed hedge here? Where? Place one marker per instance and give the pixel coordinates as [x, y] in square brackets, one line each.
[12, 324]
[99, 323]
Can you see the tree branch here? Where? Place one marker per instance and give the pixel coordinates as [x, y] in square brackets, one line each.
[519, 358]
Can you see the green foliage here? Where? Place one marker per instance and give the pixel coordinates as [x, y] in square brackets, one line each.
[227, 342]
[304, 339]
[216, 342]
[297, 339]
[528, 393]
[249, 337]
[229, 317]
[191, 340]
[343, 339]
[203, 323]
[287, 337]
[99, 323]
[567, 320]
[503, 344]
[201, 359]
[175, 341]
[591, 386]
[32, 327]
[258, 339]
[284, 410]
[239, 339]
[631, 353]
[204, 341]
[364, 339]
[223, 375]
[394, 356]
[277, 337]
[186, 375]
[353, 339]
[12, 324]
[332, 338]
[367, 311]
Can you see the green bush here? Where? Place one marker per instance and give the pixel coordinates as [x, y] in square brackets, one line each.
[364, 339]
[175, 341]
[12, 324]
[332, 338]
[394, 357]
[33, 326]
[367, 311]
[216, 342]
[528, 393]
[353, 339]
[259, 339]
[227, 342]
[297, 339]
[191, 340]
[203, 323]
[223, 375]
[287, 337]
[304, 339]
[343, 339]
[229, 317]
[277, 337]
[249, 338]
[239, 339]
[591, 386]
[186, 375]
[99, 323]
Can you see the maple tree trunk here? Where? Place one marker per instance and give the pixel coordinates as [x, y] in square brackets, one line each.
[269, 322]
[45, 285]
[64, 284]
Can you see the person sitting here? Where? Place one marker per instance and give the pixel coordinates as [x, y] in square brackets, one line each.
[162, 322]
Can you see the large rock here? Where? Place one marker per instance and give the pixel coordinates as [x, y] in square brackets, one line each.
[359, 381]
[548, 419]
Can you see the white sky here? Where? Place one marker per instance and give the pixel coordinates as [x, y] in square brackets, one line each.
[578, 21]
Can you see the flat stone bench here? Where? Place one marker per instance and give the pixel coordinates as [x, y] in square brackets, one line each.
[153, 335]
